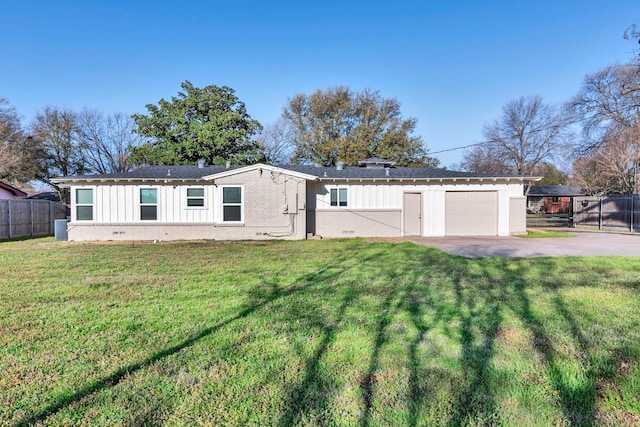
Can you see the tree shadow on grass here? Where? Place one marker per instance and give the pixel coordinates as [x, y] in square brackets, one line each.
[255, 302]
[577, 364]
[577, 398]
[479, 313]
[367, 385]
[416, 394]
[312, 394]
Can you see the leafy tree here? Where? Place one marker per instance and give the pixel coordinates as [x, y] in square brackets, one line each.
[551, 174]
[55, 130]
[106, 141]
[209, 123]
[338, 124]
[528, 133]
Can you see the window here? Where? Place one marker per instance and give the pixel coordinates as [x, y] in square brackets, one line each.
[232, 204]
[338, 197]
[148, 204]
[195, 197]
[555, 200]
[84, 204]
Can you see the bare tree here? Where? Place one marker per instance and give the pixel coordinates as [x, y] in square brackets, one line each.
[633, 33]
[608, 106]
[484, 159]
[586, 175]
[605, 98]
[614, 166]
[20, 155]
[10, 135]
[106, 141]
[57, 130]
[528, 133]
[275, 140]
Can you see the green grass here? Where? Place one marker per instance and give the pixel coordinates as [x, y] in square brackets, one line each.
[339, 332]
[541, 234]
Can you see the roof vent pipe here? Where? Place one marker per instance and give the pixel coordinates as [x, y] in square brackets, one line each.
[339, 165]
[200, 163]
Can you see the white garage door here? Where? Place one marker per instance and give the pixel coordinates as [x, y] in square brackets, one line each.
[471, 213]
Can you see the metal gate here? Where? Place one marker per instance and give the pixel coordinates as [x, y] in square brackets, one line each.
[610, 212]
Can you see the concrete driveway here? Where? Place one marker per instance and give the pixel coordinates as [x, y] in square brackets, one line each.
[586, 243]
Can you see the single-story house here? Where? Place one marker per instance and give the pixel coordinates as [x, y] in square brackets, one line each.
[373, 199]
[551, 198]
[51, 196]
[9, 192]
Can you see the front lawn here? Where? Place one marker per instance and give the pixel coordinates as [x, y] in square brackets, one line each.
[340, 332]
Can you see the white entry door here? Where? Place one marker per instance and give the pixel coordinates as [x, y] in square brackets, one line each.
[412, 214]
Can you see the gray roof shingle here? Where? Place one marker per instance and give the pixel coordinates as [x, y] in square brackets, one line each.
[351, 172]
[554, 190]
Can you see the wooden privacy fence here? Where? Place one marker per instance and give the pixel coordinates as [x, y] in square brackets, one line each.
[25, 218]
[615, 212]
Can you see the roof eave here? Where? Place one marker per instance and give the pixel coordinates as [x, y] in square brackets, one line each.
[65, 183]
[438, 179]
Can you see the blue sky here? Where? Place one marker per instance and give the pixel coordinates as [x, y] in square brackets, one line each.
[451, 64]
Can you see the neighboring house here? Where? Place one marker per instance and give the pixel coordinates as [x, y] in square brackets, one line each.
[51, 196]
[9, 192]
[551, 198]
[260, 201]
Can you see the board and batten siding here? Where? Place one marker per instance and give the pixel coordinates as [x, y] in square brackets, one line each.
[121, 203]
[375, 209]
[272, 207]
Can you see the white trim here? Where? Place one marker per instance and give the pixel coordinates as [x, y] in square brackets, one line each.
[259, 166]
[156, 204]
[338, 188]
[219, 217]
[75, 204]
[186, 197]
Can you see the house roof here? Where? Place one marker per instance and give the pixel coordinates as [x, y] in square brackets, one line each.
[13, 190]
[51, 196]
[194, 173]
[554, 190]
[398, 173]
